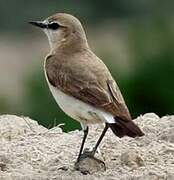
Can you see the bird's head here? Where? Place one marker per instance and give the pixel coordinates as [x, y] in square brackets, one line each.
[63, 30]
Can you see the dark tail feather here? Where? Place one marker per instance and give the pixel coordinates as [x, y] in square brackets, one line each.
[125, 128]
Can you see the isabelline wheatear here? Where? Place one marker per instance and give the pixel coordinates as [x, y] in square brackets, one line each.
[80, 82]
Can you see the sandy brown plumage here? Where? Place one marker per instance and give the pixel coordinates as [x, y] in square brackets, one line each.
[80, 82]
[91, 83]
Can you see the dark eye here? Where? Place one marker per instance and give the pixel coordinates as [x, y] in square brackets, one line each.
[53, 26]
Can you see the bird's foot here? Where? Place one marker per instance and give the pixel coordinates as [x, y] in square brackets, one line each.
[88, 164]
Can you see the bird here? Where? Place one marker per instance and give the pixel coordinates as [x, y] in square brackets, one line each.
[81, 83]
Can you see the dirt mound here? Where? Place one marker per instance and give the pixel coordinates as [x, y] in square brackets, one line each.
[30, 151]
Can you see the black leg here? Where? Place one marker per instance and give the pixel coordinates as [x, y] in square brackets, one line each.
[83, 142]
[100, 139]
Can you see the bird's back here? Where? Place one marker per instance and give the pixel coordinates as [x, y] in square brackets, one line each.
[84, 76]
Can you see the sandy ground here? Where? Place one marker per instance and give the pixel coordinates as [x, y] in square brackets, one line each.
[29, 151]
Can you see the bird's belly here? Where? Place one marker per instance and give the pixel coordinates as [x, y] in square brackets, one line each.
[75, 108]
[78, 110]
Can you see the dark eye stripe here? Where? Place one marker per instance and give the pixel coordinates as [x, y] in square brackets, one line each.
[53, 26]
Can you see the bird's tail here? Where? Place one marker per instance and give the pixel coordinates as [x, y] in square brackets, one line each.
[125, 128]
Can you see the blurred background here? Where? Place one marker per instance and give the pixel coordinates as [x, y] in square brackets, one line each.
[134, 38]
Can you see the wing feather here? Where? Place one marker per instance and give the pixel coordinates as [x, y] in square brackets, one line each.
[93, 86]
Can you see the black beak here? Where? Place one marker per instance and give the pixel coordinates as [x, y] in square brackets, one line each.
[39, 24]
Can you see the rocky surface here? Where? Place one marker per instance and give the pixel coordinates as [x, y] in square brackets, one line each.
[29, 151]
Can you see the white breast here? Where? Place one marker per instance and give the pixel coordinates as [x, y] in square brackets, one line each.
[78, 110]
